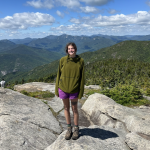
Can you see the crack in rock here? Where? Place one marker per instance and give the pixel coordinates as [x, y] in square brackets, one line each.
[147, 137]
[4, 114]
[23, 143]
[44, 128]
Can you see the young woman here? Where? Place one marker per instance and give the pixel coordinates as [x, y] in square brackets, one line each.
[70, 85]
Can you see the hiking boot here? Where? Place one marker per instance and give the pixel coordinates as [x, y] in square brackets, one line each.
[75, 135]
[68, 133]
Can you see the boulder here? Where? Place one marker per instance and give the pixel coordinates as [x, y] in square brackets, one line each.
[35, 86]
[133, 119]
[146, 97]
[92, 87]
[26, 123]
[136, 142]
[134, 123]
[92, 138]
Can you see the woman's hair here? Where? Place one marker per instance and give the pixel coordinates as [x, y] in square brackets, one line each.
[72, 44]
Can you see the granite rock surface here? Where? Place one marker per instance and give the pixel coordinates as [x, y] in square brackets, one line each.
[35, 86]
[25, 122]
[102, 110]
[28, 123]
[92, 138]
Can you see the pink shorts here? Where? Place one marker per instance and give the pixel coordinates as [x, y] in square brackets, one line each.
[64, 95]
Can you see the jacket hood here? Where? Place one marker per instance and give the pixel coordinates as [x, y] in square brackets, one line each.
[75, 59]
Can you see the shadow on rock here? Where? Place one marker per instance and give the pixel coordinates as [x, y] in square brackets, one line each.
[97, 133]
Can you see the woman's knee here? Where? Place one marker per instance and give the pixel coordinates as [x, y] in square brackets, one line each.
[74, 107]
[66, 104]
[75, 111]
[66, 108]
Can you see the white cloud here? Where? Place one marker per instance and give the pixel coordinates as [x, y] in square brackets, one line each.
[141, 17]
[59, 14]
[74, 20]
[85, 29]
[96, 2]
[69, 29]
[72, 27]
[26, 20]
[118, 24]
[112, 11]
[41, 3]
[69, 3]
[89, 9]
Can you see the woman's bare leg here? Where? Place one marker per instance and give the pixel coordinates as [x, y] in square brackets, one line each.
[74, 106]
[67, 110]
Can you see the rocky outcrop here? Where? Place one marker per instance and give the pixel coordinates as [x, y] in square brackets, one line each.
[41, 86]
[102, 110]
[25, 122]
[28, 123]
[35, 86]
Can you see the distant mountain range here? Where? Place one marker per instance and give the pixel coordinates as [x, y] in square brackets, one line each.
[22, 41]
[138, 50]
[84, 43]
[21, 55]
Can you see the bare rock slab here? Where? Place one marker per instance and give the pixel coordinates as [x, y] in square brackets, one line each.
[92, 138]
[16, 134]
[35, 86]
[56, 103]
[83, 121]
[25, 122]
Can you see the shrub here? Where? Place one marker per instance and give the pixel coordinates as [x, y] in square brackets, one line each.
[24, 92]
[148, 91]
[47, 95]
[125, 94]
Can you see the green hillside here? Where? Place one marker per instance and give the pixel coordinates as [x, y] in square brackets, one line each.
[24, 58]
[6, 45]
[127, 50]
[138, 50]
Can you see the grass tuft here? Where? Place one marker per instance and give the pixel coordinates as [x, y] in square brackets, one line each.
[41, 95]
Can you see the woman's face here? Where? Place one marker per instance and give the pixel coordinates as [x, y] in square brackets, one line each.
[71, 51]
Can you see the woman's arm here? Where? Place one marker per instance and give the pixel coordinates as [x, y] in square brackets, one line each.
[57, 79]
[81, 91]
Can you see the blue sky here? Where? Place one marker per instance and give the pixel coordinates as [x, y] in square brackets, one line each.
[39, 18]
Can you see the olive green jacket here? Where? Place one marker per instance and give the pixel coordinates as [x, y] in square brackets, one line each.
[70, 76]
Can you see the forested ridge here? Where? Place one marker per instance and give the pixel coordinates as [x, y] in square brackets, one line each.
[110, 72]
